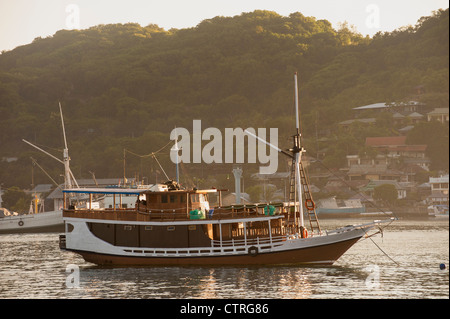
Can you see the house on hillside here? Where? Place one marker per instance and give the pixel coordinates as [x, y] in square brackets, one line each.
[395, 146]
[369, 189]
[345, 125]
[373, 172]
[403, 113]
[439, 114]
[415, 117]
[410, 107]
[439, 190]
[395, 160]
[381, 107]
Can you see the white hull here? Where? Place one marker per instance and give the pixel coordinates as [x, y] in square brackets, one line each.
[32, 223]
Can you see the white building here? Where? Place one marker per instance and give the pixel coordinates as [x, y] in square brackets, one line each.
[439, 190]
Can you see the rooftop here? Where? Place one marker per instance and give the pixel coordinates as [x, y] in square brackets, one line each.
[442, 110]
[385, 141]
[373, 106]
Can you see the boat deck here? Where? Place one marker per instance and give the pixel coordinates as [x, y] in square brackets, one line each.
[134, 215]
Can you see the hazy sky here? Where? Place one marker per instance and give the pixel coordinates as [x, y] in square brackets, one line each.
[23, 20]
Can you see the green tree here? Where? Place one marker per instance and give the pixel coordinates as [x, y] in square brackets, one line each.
[16, 200]
[436, 136]
[126, 81]
[387, 193]
[255, 193]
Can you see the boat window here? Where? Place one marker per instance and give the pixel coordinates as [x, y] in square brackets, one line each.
[183, 198]
[173, 198]
[163, 198]
[194, 198]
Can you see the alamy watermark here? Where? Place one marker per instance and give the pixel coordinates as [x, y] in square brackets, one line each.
[73, 17]
[373, 19]
[228, 149]
[73, 277]
[373, 279]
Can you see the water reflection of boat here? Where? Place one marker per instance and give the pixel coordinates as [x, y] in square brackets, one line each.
[176, 226]
[438, 211]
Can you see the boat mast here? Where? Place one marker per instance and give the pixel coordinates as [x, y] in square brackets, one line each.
[296, 156]
[297, 150]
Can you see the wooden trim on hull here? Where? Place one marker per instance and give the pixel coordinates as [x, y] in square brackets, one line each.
[319, 255]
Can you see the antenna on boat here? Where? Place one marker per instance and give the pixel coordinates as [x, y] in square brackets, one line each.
[66, 158]
[176, 149]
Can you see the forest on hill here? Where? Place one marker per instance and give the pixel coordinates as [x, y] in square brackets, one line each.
[125, 86]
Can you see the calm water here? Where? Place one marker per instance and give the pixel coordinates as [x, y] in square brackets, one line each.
[32, 266]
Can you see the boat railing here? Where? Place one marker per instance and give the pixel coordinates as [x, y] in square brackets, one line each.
[249, 241]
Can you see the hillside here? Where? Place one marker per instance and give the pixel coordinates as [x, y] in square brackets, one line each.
[128, 86]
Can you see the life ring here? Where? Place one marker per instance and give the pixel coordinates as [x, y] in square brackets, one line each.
[309, 204]
[20, 223]
[253, 251]
[304, 232]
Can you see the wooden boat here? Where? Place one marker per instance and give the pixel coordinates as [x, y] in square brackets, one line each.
[173, 226]
[177, 227]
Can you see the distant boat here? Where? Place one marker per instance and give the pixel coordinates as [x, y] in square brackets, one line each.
[334, 207]
[438, 211]
[37, 221]
[33, 222]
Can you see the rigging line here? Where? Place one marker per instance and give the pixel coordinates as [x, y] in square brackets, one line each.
[382, 250]
[354, 189]
[151, 154]
[160, 166]
[45, 172]
[59, 150]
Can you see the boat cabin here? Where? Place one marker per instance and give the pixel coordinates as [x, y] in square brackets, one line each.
[173, 218]
[160, 204]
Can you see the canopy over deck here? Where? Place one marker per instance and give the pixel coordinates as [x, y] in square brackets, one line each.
[132, 191]
[122, 191]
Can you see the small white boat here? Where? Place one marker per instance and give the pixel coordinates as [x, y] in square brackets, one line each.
[334, 207]
[438, 211]
[32, 223]
[37, 221]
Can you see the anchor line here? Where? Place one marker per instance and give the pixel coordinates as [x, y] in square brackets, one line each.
[384, 252]
[370, 237]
